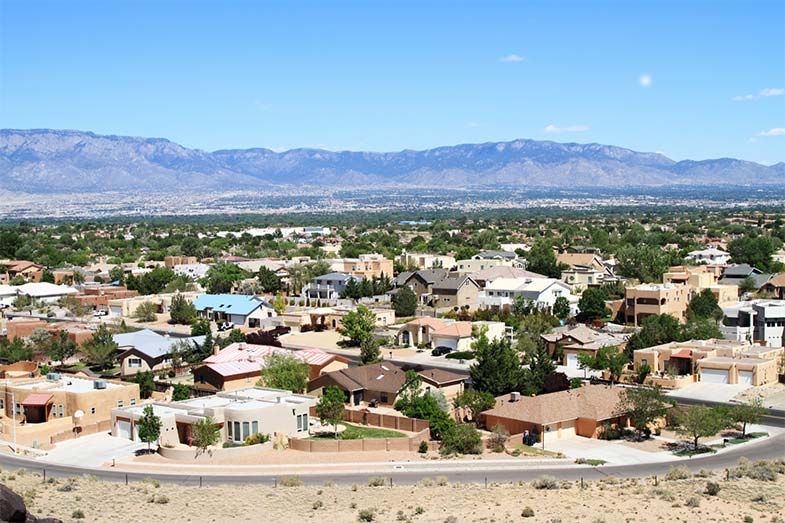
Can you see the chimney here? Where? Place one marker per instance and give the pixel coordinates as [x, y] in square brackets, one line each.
[515, 396]
[216, 350]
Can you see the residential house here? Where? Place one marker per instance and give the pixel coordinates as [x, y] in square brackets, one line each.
[735, 274]
[709, 256]
[240, 414]
[328, 286]
[456, 336]
[7, 295]
[367, 266]
[425, 260]
[455, 292]
[193, 271]
[29, 271]
[417, 332]
[242, 310]
[46, 292]
[491, 274]
[97, 297]
[542, 292]
[60, 406]
[756, 321]
[421, 282]
[713, 361]
[558, 415]
[775, 286]
[701, 278]
[174, 261]
[126, 307]
[487, 259]
[381, 382]
[239, 365]
[331, 317]
[145, 350]
[648, 299]
[568, 344]
[581, 259]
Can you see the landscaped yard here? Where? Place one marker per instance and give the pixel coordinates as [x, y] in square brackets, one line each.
[359, 432]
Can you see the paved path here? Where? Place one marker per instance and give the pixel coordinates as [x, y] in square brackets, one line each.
[91, 451]
[407, 473]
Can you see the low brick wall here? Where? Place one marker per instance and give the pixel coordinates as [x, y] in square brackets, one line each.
[183, 453]
[103, 426]
[387, 421]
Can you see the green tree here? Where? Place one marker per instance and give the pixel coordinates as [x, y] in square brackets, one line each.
[475, 401]
[117, 274]
[205, 433]
[61, 347]
[704, 305]
[646, 263]
[699, 421]
[405, 302]
[269, 281]
[180, 392]
[146, 312]
[149, 426]
[643, 406]
[462, 439]
[181, 311]
[284, 371]
[411, 389]
[747, 285]
[99, 351]
[200, 327]
[605, 358]
[279, 304]
[655, 330]
[700, 329]
[146, 383]
[561, 308]
[753, 250]
[369, 351]
[222, 276]
[235, 336]
[330, 407]
[425, 406]
[498, 368]
[542, 259]
[15, 350]
[592, 304]
[359, 325]
[749, 412]
[532, 379]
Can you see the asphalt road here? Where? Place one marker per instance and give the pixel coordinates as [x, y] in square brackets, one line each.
[409, 473]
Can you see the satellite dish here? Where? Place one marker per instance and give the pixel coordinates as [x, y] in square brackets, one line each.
[78, 414]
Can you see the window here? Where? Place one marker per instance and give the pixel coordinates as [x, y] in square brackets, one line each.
[237, 431]
[2, 403]
[383, 397]
[119, 404]
[254, 427]
[133, 401]
[135, 363]
[60, 411]
[302, 422]
[229, 428]
[246, 427]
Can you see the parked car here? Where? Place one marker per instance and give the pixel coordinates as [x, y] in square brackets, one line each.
[100, 312]
[225, 326]
[441, 351]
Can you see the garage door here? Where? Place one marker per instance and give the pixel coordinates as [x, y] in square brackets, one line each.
[572, 360]
[714, 375]
[124, 429]
[745, 377]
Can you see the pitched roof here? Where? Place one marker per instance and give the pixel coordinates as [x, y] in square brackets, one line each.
[778, 280]
[382, 377]
[595, 402]
[458, 329]
[147, 342]
[452, 284]
[487, 255]
[45, 289]
[257, 353]
[426, 321]
[431, 275]
[503, 271]
[583, 259]
[230, 303]
[441, 376]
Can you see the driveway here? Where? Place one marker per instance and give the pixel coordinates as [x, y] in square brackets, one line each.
[92, 451]
[703, 391]
[610, 451]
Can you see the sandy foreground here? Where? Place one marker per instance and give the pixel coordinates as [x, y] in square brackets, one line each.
[432, 500]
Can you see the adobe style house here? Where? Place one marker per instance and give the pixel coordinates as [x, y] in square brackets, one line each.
[367, 266]
[580, 339]
[701, 278]
[239, 365]
[60, 406]
[240, 414]
[558, 415]
[382, 382]
[642, 301]
[242, 310]
[425, 260]
[488, 259]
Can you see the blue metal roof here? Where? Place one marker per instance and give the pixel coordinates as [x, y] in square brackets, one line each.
[229, 303]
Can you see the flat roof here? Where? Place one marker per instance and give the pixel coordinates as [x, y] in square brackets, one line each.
[67, 384]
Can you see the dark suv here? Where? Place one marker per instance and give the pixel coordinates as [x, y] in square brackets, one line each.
[441, 351]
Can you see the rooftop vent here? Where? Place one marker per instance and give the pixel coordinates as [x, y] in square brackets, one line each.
[53, 376]
[515, 396]
[99, 384]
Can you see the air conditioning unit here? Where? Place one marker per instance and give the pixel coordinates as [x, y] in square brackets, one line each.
[53, 376]
[99, 384]
[515, 396]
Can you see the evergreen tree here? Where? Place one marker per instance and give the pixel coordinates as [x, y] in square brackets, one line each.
[498, 367]
[149, 426]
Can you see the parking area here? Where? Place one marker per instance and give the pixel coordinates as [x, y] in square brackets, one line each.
[92, 451]
[708, 392]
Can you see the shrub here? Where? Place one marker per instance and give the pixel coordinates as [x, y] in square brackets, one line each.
[419, 510]
[256, 439]
[442, 481]
[317, 504]
[748, 519]
[676, 473]
[712, 488]
[376, 482]
[423, 448]
[291, 481]
[462, 439]
[545, 483]
[460, 355]
[162, 500]
[498, 440]
[366, 514]
[426, 482]
[77, 514]
[152, 482]
[527, 512]
[693, 502]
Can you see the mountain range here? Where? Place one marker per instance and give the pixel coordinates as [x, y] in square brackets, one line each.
[64, 161]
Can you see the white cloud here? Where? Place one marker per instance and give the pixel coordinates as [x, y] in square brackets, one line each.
[774, 131]
[512, 58]
[763, 93]
[567, 129]
[645, 80]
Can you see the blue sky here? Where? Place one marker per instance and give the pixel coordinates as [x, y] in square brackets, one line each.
[386, 76]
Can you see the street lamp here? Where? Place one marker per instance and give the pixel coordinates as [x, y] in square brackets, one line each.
[13, 415]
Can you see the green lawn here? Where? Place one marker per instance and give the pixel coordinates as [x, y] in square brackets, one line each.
[361, 432]
[751, 435]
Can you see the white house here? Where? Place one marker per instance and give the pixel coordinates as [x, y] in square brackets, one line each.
[755, 321]
[47, 292]
[543, 292]
[711, 256]
[242, 310]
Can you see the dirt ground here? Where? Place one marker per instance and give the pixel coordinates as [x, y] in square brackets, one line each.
[773, 395]
[608, 501]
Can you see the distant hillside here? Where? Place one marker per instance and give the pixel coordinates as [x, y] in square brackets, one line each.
[53, 161]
